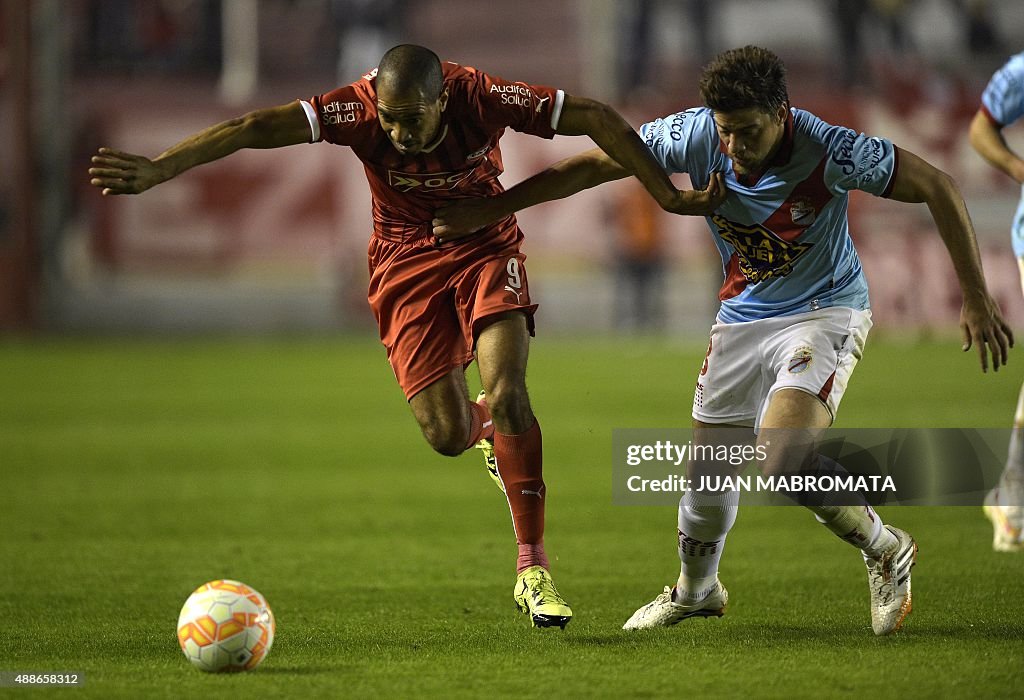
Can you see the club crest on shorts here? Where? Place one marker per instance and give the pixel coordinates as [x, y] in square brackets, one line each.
[800, 361]
[802, 212]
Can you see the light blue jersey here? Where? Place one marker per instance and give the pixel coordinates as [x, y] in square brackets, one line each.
[1003, 103]
[784, 238]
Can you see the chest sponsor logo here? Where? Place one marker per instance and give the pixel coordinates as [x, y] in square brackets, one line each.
[762, 254]
[340, 112]
[422, 182]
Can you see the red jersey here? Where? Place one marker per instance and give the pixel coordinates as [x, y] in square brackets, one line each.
[463, 160]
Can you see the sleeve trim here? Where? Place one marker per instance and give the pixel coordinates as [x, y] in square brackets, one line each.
[887, 192]
[314, 123]
[992, 120]
[556, 111]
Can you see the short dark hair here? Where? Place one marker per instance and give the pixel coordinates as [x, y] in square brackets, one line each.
[744, 78]
[407, 68]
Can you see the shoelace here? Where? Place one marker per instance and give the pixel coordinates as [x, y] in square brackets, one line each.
[882, 577]
[665, 596]
[545, 587]
[886, 591]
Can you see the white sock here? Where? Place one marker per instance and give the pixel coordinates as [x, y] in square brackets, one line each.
[1011, 484]
[860, 525]
[704, 521]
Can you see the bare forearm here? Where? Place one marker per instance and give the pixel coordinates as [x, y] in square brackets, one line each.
[563, 179]
[919, 181]
[988, 141]
[981, 323]
[953, 221]
[118, 172]
[621, 153]
[253, 130]
[208, 145]
[616, 137]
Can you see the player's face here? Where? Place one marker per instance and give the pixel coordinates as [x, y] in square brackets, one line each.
[410, 121]
[751, 136]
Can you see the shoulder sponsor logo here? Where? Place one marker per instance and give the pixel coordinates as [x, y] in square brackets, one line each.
[515, 94]
[862, 159]
[480, 153]
[762, 254]
[802, 212]
[371, 75]
[872, 154]
[675, 126]
[843, 156]
[340, 112]
[421, 182]
[540, 104]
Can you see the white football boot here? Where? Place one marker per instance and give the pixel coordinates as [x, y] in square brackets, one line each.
[663, 611]
[1007, 524]
[889, 581]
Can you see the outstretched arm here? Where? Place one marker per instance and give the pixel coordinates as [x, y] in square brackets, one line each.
[117, 172]
[981, 323]
[621, 153]
[987, 139]
[566, 177]
[614, 136]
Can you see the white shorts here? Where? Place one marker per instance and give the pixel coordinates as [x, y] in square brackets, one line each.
[748, 362]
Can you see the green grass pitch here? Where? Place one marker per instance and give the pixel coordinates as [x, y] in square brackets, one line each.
[132, 471]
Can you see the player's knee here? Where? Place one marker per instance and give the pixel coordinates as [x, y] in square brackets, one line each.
[510, 407]
[446, 437]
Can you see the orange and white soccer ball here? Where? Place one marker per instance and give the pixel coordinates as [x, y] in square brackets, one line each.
[225, 626]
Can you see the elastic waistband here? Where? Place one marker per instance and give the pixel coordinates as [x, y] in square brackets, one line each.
[409, 234]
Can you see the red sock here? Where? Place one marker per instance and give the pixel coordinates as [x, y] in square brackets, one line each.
[520, 465]
[480, 425]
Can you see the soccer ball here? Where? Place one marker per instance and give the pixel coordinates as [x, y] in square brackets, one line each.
[225, 626]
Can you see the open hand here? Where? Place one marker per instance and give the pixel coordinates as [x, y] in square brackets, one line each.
[982, 325]
[116, 172]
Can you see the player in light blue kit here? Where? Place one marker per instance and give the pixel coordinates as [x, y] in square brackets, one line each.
[773, 184]
[1002, 104]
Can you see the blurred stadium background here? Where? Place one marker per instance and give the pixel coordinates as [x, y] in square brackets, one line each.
[275, 241]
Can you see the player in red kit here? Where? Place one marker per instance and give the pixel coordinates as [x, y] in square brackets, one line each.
[427, 133]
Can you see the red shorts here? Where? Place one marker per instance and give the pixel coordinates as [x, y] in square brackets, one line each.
[430, 303]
